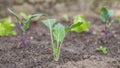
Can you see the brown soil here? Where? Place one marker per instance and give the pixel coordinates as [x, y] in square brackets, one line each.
[78, 51]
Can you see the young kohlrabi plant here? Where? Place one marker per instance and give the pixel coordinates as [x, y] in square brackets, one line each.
[58, 32]
[24, 23]
[106, 17]
[6, 27]
[84, 27]
[102, 49]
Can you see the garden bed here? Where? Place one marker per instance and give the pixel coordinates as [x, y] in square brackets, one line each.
[78, 51]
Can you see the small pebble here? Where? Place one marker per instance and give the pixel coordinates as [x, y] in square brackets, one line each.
[115, 35]
[94, 33]
[86, 56]
[31, 38]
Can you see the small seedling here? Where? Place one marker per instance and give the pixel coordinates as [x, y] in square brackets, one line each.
[24, 24]
[6, 27]
[106, 17]
[83, 27]
[66, 17]
[102, 49]
[58, 32]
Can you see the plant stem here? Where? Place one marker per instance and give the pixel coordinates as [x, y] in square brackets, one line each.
[52, 45]
[22, 41]
[51, 36]
[58, 55]
[106, 32]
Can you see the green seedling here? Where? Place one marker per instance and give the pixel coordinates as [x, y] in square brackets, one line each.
[82, 28]
[24, 24]
[102, 49]
[57, 32]
[66, 17]
[6, 27]
[106, 17]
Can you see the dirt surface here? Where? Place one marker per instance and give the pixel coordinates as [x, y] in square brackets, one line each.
[78, 51]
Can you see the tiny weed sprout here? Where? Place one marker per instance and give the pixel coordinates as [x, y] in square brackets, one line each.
[58, 33]
[6, 27]
[83, 27]
[102, 49]
[106, 17]
[24, 24]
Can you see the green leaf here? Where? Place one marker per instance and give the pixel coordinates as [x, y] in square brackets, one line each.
[102, 49]
[59, 32]
[104, 14]
[2, 30]
[78, 18]
[49, 23]
[72, 27]
[36, 15]
[7, 24]
[66, 17]
[83, 24]
[23, 15]
[83, 27]
[6, 27]
[17, 17]
[26, 24]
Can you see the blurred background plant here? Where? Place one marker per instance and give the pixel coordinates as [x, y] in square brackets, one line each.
[52, 7]
[6, 27]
